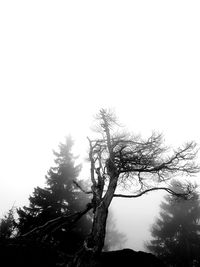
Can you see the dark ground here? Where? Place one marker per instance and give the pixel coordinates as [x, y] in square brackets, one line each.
[30, 253]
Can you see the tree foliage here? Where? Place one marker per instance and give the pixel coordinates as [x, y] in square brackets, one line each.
[176, 233]
[59, 198]
[7, 226]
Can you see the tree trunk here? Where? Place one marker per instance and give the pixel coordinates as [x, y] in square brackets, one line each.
[96, 239]
[93, 246]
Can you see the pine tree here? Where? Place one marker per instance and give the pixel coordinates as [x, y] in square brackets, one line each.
[176, 233]
[7, 226]
[59, 197]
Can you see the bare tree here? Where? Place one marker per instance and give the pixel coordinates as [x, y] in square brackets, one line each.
[121, 161]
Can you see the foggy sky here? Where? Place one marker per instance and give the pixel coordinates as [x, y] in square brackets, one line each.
[61, 62]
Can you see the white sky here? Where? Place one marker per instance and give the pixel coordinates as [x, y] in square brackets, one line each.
[60, 61]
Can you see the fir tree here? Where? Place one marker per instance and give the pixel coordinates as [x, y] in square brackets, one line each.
[7, 226]
[59, 197]
[176, 233]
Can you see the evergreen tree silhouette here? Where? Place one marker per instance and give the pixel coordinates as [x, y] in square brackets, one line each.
[7, 226]
[176, 233]
[59, 197]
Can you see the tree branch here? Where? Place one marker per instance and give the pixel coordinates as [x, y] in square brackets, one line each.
[92, 167]
[147, 159]
[81, 188]
[51, 225]
[153, 189]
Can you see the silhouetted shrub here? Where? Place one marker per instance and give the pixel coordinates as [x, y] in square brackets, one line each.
[27, 253]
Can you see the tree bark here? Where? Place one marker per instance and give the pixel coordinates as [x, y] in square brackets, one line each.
[93, 246]
[97, 236]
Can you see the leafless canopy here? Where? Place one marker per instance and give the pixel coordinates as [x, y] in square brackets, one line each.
[131, 160]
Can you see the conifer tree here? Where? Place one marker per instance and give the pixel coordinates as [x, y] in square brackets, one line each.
[59, 197]
[176, 233]
[7, 226]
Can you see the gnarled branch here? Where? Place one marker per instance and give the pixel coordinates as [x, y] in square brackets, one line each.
[55, 224]
[168, 190]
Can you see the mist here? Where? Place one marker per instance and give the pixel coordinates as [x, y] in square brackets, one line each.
[135, 218]
[63, 62]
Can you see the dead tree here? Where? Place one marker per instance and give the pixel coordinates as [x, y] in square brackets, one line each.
[120, 161]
